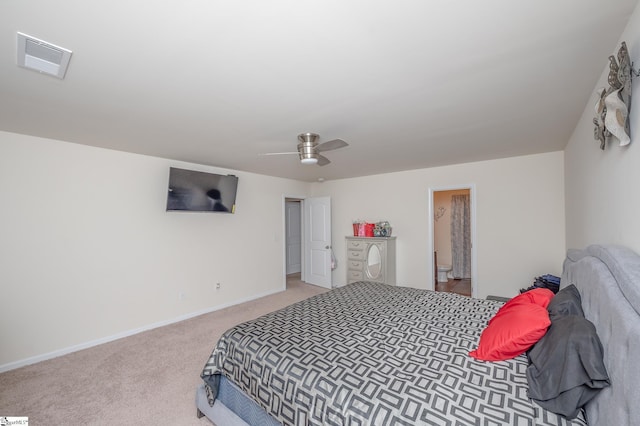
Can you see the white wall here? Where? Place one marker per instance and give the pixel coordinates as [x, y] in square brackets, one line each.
[602, 201]
[88, 253]
[87, 250]
[520, 218]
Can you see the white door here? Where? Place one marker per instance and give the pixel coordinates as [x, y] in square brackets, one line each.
[294, 236]
[317, 213]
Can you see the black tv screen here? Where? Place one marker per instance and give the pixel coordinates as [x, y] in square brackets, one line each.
[190, 190]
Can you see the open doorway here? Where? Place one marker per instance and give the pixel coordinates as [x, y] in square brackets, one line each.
[293, 241]
[452, 240]
[307, 242]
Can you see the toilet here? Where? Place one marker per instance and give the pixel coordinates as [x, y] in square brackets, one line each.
[443, 270]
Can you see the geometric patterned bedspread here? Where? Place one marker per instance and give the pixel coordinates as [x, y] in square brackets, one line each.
[373, 354]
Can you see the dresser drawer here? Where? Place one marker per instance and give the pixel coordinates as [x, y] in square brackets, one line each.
[356, 265]
[355, 254]
[355, 244]
[354, 276]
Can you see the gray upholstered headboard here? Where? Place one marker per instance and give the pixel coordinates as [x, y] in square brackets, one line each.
[608, 278]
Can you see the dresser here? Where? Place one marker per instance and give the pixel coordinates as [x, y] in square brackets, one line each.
[371, 259]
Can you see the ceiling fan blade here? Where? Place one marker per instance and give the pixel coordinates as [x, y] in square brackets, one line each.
[322, 160]
[331, 145]
[279, 153]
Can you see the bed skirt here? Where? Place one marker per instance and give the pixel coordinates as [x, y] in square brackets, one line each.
[232, 407]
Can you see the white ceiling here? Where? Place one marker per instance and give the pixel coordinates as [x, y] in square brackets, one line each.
[409, 84]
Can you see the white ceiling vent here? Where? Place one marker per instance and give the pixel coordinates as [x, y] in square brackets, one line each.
[41, 56]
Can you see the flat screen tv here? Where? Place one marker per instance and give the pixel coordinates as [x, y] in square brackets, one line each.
[190, 190]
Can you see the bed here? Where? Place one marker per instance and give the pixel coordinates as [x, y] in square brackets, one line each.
[373, 354]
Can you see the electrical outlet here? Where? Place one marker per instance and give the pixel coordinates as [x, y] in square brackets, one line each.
[217, 286]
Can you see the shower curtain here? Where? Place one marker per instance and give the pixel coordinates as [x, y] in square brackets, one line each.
[461, 236]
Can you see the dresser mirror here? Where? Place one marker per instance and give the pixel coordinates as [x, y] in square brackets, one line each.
[374, 261]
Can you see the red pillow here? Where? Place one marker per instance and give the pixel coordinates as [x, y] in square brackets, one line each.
[538, 296]
[512, 331]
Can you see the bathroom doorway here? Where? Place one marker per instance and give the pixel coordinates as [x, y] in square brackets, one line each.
[452, 225]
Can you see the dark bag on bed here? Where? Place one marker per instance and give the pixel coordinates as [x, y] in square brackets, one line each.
[567, 368]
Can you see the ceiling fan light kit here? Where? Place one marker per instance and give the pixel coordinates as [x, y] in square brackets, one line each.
[308, 149]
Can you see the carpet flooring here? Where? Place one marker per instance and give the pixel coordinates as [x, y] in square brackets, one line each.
[146, 379]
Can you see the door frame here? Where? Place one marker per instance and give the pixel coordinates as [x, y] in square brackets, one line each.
[431, 243]
[303, 225]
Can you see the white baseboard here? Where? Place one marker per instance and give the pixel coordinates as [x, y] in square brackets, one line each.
[43, 357]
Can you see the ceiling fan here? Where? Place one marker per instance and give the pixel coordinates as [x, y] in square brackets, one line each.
[309, 149]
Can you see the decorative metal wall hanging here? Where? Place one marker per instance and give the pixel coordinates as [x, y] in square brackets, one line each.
[614, 103]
